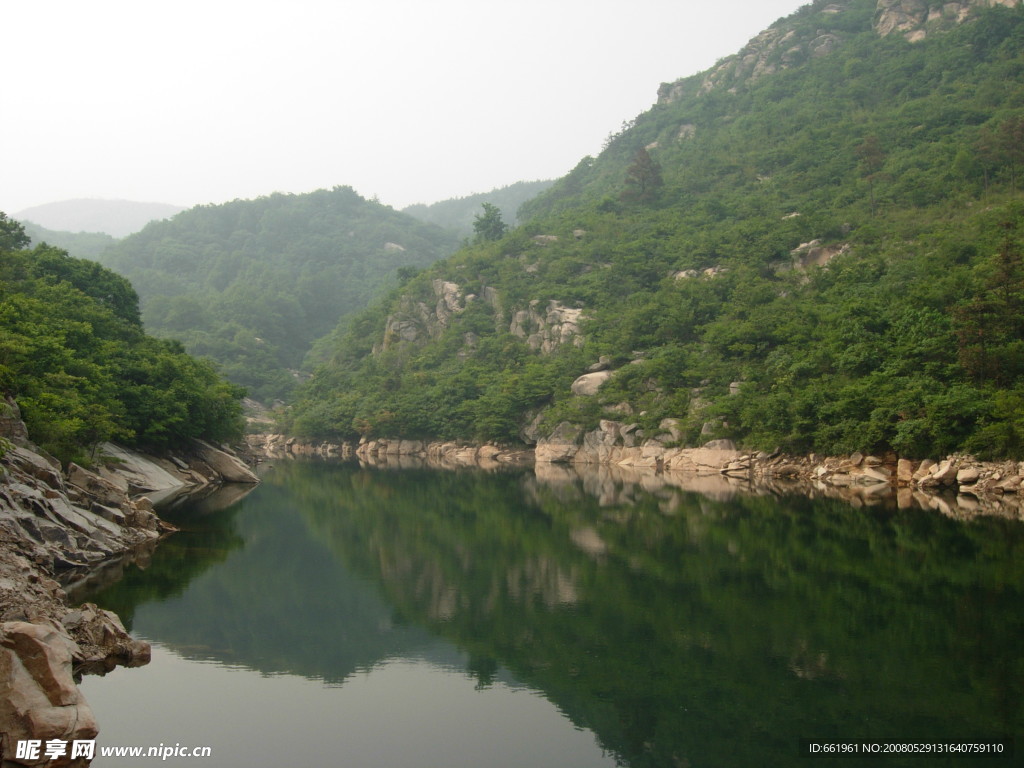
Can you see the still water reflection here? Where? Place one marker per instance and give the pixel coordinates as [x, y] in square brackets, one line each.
[359, 617]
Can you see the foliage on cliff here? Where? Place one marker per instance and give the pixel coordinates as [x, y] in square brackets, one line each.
[827, 258]
[74, 355]
[252, 283]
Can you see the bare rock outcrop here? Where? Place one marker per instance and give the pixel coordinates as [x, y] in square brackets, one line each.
[545, 330]
[588, 384]
[781, 47]
[915, 19]
[414, 320]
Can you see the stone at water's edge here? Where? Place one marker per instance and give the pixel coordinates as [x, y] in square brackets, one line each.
[136, 473]
[38, 696]
[229, 468]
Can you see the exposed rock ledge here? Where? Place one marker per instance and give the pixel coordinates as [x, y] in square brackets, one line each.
[51, 522]
[957, 486]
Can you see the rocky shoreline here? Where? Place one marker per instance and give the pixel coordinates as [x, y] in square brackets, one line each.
[57, 523]
[958, 486]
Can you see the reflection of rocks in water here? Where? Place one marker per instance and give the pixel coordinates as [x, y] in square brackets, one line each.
[79, 583]
[389, 453]
[394, 462]
[442, 595]
[414, 454]
[589, 541]
[617, 486]
[544, 578]
[615, 474]
[211, 498]
[555, 476]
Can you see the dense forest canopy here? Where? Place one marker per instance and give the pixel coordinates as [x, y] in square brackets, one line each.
[820, 252]
[74, 356]
[252, 284]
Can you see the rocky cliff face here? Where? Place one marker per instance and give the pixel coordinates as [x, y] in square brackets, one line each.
[915, 19]
[776, 48]
[544, 326]
[418, 320]
[545, 329]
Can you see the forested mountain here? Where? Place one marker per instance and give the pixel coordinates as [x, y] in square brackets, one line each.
[74, 356]
[252, 283]
[459, 214]
[816, 245]
[117, 218]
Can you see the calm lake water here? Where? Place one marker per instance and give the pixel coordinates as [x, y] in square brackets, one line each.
[355, 617]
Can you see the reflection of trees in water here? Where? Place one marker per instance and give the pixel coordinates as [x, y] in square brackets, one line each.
[676, 626]
[172, 574]
[206, 537]
[277, 602]
[681, 625]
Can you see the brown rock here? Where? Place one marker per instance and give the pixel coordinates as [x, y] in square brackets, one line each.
[103, 641]
[923, 470]
[968, 475]
[38, 696]
[102, 490]
[945, 472]
[227, 466]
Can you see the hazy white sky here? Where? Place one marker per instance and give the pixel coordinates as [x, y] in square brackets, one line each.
[205, 101]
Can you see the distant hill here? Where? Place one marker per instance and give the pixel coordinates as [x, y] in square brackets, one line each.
[81, 245]
[459, 213]
[118, 218]
[253, 283]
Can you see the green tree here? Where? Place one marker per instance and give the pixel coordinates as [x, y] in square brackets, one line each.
[488, 225]
[1011, 140]
[643, 178]
[990, 327]
[12, 234]
[871, 158]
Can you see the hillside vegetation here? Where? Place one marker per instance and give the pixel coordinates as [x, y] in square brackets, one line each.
[815, 246]
[75, 358]
[252, 284]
